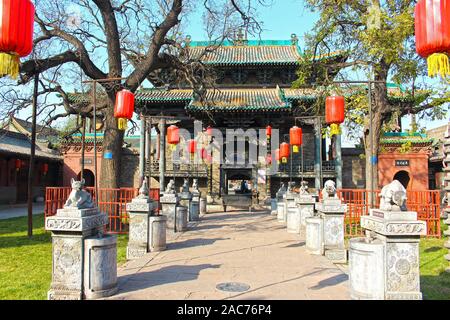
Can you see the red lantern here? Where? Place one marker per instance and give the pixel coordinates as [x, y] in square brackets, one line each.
[16, 34]
[296, 137]
[209, 131]
[277, 155]
[18, 164]
[284, 151]
[124, 108]
[192, 147]
[173, 136]
[45, 168]
[268, 131]
[335, 113]
[432, 29]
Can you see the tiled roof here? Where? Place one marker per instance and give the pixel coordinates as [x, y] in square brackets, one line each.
[242, 100]
[248, 55]
[158, 95]
[19, 144]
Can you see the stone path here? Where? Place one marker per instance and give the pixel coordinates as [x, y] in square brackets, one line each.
[21, 210]
[250, 248]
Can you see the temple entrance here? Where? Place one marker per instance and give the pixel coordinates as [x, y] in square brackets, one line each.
[403, 177]
[238, 188]
[88, 176]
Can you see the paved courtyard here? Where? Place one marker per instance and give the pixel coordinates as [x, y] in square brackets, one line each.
[250, 248]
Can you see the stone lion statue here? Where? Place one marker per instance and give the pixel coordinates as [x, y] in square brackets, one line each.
[195, 184]
[79, 198]
[304, 188]
[170, 187]
[329, 190]
[143, 191]
[185, 187]
[393, 197]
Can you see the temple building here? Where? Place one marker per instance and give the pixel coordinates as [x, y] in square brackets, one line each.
[252, 89]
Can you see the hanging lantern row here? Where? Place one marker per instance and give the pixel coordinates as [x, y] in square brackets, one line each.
[124, 108]
[284, 152]
[432, 31]
[296, 138]
[16, 34]
[268, 131]
[173, 136]
[334, 113]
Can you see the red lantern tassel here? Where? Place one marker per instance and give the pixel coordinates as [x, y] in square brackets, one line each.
[9, 65]
[122, 123]
[335, 129]
[438, 64]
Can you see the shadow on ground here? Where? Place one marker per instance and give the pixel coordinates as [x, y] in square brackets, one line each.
[172, 274]
[193, 243]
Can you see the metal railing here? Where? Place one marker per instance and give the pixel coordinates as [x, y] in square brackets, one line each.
[111, 201]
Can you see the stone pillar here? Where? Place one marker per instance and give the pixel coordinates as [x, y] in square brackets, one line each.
[162, 155]
[317, 153]
[332, 211]
[194, 210]
[273, 206]
[314, 235]
[100, 263]
[306, 204]
[399, 233]
[293, 219]
[70, 228]
[281, 205]
[185, 201]
[181, 219]
[142, 150]
[447, 190]
[157, 233]
[140, 209]
[338, 161]
[169, 203]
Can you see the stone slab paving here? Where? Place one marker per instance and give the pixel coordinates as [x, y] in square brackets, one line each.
[251, 248]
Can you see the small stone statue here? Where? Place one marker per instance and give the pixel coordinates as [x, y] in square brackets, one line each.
[291, 186]
[170, 189]
[195, 185]
[282, 188]
[304, 188]
[185, 187]
[393, 197]
[329, 190]
[79, 198]
[143, 191]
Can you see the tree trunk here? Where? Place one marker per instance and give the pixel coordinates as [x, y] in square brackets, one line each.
[112, 149]
[379, 106]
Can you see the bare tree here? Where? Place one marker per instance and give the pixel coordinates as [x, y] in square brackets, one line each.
[103, 39]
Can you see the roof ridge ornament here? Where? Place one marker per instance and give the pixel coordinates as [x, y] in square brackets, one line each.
[294, 39]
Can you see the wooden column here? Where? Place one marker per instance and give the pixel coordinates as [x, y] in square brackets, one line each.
[318, 153]
[162, 154]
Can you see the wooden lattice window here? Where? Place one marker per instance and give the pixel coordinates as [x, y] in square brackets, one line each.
[239, 76]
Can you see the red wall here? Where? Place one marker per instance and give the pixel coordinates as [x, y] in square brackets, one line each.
[417, 169]
[72, 164]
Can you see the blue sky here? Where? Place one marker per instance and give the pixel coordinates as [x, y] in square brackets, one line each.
[279, 20]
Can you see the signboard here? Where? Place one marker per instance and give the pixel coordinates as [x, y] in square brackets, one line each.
[402, 163]
[87, 161]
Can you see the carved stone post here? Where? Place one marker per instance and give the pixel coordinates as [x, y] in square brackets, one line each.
[332, 211]
[292, 211]
[306, 203]
[144, 232]
[169, 203]
[185, 197]
[447, 190]
[385, 264]
[194, 211]
[79, 248]
[281, 205]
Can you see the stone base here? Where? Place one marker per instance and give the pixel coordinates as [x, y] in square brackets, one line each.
[61, 294]
[306, 211]
[181, 219]
[336, 255]
[403, 296]
[194, 212]
[135, 252]
[293, 220]
[157, 236]
[100, 267]
[314, 234]
[281, 211]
